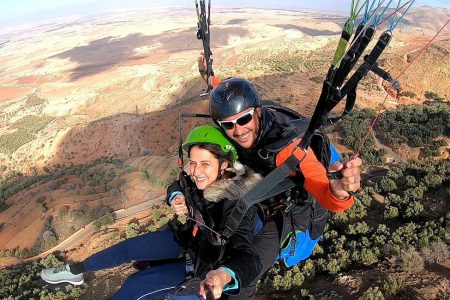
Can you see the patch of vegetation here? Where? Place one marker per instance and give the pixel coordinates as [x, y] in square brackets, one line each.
[416, 125]
[23, 282]
[373, 293]
[105, 220]
[26, 128]
[411, 261]
[98, 177]
[317, 79]
[354, 130]
[284, 63]
[16, 182]
[393, 284]
[33, 100]
[408, 94]
[154, 179]
[433, 96]
[352, 242]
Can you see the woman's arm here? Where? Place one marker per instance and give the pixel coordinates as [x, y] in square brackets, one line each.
[240, 263]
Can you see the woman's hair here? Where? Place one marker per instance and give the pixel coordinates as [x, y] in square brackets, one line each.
[216, 151]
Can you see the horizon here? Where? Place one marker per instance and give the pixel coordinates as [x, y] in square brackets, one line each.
[26, 12]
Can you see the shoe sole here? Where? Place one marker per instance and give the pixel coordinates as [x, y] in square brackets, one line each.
[64, 280]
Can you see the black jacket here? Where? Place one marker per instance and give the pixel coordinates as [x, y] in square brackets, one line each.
[278, 129]
[206, 249]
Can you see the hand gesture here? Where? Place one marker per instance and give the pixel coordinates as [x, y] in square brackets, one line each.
[351, 177]
[179, 205]
[215, 281]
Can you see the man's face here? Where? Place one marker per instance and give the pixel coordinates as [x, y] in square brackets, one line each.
[243, 133]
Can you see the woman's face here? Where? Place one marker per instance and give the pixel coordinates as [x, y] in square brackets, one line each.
[203, 167]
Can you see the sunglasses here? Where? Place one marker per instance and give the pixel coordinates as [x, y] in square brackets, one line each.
[241, 121]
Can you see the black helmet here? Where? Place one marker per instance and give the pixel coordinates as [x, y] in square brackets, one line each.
[232, 96]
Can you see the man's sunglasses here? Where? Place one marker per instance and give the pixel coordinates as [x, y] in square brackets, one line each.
[241, 121]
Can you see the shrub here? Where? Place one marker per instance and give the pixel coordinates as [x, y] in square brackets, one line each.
[40, 199]
[387, 184]
[51, 241]
[105, 220]
[42, 207]
[63, 211]
[52, 186]
[157, 213]
[437, 252]
[393, 284]
[114, 192]
[132, 230]
[433, 96]
[411, 261]
[390, 212]
[372, 293]
[154, 179]
[163, 221]
[317, 79]
[151, 228]
[408, 94]
[411, 181]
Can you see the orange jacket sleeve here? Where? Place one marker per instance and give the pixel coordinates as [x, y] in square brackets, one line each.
[316, 180]
[215, 81]
[317, 183]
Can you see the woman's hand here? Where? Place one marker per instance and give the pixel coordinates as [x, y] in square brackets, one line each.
[215, 280]
[178, 204]
[351, 180]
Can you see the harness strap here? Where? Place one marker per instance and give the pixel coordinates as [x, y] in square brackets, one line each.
[271, 185]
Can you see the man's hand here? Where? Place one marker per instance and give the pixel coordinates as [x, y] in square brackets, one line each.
[201, 61]
[179, 205]
[215, 280]
[351, 180]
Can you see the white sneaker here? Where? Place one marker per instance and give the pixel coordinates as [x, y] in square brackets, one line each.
[61, 274]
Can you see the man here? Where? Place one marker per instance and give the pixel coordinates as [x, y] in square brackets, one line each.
[260, 134]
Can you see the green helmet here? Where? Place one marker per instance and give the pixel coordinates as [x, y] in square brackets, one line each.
[209, 134]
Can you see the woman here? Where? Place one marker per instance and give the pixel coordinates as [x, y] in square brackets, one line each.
[216, 187]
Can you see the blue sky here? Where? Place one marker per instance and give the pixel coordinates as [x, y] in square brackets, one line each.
[15, 12]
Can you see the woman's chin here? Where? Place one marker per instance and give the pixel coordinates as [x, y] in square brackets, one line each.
[201, 185]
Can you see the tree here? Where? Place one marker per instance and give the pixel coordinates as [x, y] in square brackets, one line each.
[42, 207]
[433, 180]
[390, 212]
[106, 219]
[63, 211]
[387, 184]
[132, 230]
[411, 181]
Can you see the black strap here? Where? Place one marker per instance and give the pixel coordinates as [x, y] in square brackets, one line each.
[271, 185]
[386, 76]
[362, 71]
[187, 188]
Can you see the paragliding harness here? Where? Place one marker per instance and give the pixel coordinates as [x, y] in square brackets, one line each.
[278, 179]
